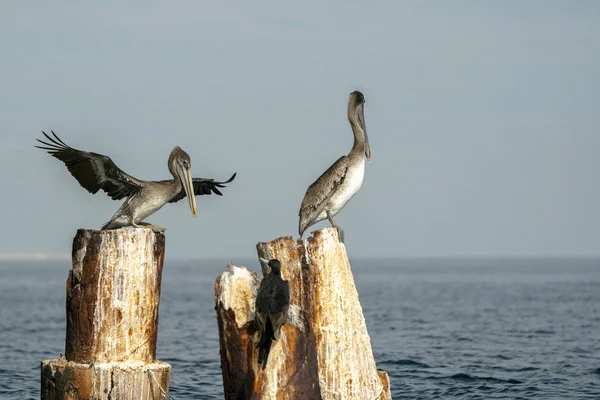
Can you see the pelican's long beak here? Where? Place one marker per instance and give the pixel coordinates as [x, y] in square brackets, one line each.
[186, 180]
[361, 119]
[264, 260]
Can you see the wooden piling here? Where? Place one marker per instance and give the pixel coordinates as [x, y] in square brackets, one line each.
[324, 352]
[113, 295]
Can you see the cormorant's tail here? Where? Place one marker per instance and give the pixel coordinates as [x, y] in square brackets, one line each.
[264, 344]
[263, 354]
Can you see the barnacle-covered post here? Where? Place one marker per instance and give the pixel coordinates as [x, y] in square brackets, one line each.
[113, 295]
[324, 351]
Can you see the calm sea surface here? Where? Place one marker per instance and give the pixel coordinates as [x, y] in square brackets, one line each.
[469, 329]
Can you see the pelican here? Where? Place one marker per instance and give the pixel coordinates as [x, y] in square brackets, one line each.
[328, 194]
[96, 171]
[272, 304]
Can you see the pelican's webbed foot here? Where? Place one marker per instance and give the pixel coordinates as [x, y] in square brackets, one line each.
[340, 230]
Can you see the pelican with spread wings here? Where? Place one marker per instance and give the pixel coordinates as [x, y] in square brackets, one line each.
[96, 171]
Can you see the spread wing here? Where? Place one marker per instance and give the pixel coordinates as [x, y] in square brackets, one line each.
[319, 193]
[93, 171]
[204, 186]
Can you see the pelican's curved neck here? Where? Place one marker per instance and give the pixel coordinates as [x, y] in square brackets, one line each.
[357, 130]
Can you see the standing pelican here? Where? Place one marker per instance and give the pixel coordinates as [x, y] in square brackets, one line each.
[272, 304]
[96, 171]
[328, 194]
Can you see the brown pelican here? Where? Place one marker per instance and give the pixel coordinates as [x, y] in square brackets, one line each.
[96, 171]
[328, 194]
[272, 304]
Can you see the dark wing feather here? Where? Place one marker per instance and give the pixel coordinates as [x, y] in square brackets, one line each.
[281, 297]
[262, 305]
[93, 171]
[204, 186]
[280, 303]
[319, 193]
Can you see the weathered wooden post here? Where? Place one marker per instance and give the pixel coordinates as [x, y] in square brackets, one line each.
[324, 352]
[113, 294]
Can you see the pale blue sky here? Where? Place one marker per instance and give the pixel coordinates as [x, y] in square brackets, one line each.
[483, 119]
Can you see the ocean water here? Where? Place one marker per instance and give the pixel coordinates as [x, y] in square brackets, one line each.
[468, 329]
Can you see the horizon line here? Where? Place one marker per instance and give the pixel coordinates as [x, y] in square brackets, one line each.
[60, 256]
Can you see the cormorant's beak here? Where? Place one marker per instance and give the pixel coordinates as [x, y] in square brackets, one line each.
[265, 262]
[361, 119]
[185, 175]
